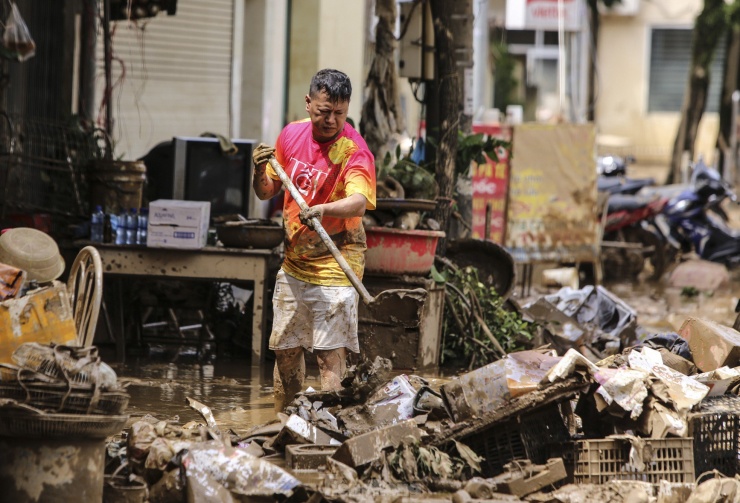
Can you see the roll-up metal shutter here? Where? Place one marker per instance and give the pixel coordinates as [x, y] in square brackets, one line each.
[670, 57]
[171, 75]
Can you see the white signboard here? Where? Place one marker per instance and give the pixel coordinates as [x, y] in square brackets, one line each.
[544, 14]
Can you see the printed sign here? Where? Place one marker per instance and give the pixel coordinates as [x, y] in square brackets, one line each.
[490, 185]
[552, 210]
[545, 14]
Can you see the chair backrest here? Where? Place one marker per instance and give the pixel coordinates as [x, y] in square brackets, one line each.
[85, 287]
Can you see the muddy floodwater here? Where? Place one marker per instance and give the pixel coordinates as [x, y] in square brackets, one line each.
[239, 395]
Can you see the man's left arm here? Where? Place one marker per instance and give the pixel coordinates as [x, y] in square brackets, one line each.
[351, 206]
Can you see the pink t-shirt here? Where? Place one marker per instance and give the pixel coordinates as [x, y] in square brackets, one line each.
[324, 172]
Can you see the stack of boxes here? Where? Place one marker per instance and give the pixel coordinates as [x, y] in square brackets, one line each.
[178, 224]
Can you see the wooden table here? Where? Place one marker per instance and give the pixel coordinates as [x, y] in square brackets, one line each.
[209, 263]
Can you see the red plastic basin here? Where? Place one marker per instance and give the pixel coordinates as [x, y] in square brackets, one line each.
[396, 251]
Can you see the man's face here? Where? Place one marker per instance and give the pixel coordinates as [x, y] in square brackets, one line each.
[327, 117]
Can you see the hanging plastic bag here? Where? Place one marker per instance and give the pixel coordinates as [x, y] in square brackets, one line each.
[17, 38]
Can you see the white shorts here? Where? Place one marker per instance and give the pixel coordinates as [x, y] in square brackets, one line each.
[313, 316]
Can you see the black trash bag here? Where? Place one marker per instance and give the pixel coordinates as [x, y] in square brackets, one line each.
[672, 342]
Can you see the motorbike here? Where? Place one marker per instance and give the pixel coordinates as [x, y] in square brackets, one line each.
[631, 238]
[622, 185]
[694, 221]
[613, 165]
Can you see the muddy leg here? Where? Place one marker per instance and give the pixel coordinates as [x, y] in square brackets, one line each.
[289, 372]
[332, 365]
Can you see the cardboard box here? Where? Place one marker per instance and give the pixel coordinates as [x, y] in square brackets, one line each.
[712, 345]
[173, 236]
[180, 213]
[178, 224]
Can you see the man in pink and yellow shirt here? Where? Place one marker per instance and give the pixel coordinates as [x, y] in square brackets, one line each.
[314, 304]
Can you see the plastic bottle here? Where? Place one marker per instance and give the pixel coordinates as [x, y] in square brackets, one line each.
[131, 225]
[96, 225]
[121, 228]
[107, 229]
[141, 233]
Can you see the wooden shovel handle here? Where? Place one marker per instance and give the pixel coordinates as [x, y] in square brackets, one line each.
[366, 297]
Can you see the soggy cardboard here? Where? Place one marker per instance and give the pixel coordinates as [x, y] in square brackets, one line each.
[712, 345]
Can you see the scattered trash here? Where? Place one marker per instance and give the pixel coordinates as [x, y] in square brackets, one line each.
[299, 431]
[204, 411]
[522, 477]
[487, 388]
[597, 415]
[215, 472]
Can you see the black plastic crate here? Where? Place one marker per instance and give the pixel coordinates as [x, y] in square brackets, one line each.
[541, 431]
[715, 427]
[498, 444]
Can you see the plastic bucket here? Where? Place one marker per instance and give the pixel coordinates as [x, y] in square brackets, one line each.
[44, 469]
[396, 251]
[116, 185]
[119, 489]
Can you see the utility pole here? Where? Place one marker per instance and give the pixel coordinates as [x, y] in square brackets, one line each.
[453, 35]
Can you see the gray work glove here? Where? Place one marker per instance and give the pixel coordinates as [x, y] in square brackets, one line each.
[262, 154]
[306, 215]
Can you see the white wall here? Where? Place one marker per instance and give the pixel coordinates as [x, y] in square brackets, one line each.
[325, 34]
[623, 80]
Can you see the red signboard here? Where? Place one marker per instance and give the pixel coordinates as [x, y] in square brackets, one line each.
[490, 185]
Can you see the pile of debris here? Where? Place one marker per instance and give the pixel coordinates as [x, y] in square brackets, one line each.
[58, 405]
[648, 422]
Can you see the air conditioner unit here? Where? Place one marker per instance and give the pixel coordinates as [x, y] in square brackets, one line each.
[623, 8]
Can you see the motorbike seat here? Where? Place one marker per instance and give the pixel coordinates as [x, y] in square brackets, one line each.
[614, 185]
[627, 202]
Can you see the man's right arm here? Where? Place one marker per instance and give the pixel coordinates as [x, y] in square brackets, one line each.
[264, 186]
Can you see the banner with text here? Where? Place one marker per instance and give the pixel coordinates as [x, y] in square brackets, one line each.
[490, 186]
[552, 210]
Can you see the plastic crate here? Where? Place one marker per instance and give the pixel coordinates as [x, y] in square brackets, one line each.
[15, 424]
[498, 444]
[543, 430]
[602, 460]
[534, 436]
[722, 403]
[50, 397]
[716, 432]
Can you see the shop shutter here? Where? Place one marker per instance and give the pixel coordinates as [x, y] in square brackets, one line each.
[171, 75]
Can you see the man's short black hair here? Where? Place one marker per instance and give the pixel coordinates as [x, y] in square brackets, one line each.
[334, 83]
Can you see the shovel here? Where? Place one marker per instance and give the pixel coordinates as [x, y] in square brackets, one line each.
[399, 306]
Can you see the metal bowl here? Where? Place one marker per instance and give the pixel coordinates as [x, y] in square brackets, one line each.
[249, 235]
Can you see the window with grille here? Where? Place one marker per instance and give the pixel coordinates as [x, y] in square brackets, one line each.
[670, 57]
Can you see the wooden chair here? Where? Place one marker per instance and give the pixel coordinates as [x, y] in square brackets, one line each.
[85, 287]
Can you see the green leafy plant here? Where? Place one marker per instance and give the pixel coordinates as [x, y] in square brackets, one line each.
[474, 147]
[690, 292]
[477, 327]
[505, 82]
[417, 180]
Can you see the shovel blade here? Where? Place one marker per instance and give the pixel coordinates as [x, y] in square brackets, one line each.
[399, 306]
